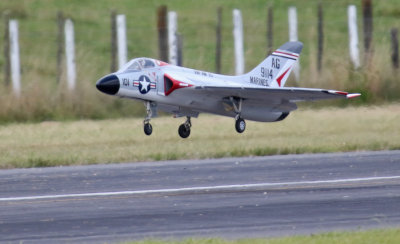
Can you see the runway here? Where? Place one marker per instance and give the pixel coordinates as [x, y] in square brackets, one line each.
[228, 198]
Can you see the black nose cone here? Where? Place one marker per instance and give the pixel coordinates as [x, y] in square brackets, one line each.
[108, 84]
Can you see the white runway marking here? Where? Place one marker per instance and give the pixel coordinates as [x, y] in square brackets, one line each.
[201, 188]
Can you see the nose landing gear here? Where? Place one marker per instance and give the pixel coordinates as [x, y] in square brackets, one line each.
[148, 129]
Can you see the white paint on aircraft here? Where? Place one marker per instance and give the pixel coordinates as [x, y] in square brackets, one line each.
[258, 95]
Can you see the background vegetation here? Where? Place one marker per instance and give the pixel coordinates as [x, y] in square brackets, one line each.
[43, 99]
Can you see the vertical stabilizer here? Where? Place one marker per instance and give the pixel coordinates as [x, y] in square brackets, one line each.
[275, 69]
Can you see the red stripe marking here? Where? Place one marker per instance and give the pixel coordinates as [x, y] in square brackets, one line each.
[281, 77]
[161, 63]
[175, 85]
[341, 93]
[289, 54]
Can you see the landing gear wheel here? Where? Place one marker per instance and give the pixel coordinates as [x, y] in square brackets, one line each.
[184, 131]
[148, 129]
[240, 125]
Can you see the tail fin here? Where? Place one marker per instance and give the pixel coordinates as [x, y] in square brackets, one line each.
[275, 69]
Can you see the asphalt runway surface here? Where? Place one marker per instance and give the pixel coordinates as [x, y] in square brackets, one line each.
[226, 198]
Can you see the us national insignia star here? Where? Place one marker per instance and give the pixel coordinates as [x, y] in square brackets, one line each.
[144, 84]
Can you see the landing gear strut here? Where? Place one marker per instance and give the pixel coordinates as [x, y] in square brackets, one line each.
[148, 129]
[184, 129]
[240, 124]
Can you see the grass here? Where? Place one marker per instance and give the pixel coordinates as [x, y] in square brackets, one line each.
[329, 129]
[387, 236]
[43, 99]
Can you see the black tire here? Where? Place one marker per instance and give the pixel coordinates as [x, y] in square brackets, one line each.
[240, 125]
[183, 131]
[148, 129]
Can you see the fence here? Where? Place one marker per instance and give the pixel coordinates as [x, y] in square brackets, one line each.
[171, 40]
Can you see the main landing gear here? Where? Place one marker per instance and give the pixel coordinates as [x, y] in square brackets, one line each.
[148, 129]
[184, 129]
[240, 124]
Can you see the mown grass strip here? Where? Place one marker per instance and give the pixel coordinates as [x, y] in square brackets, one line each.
[122, 140]
[384, 236]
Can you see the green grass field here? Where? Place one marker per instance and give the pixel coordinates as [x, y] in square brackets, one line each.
[389, 236]
[122, 140]
[43, 99]
[48, 126]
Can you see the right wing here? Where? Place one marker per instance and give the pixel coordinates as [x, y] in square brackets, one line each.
[278, 99]
[275, 95]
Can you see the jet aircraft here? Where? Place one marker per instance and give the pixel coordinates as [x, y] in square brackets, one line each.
[259, 95]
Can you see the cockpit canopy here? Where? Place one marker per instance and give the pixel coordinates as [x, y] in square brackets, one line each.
[138, 64]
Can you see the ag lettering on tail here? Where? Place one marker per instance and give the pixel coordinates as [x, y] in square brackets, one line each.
[275, 69]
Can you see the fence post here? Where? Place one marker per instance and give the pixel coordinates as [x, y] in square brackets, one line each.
[60, 44]
[395, 48]
[179, 39]
[6, 49]
[70, 53]
[292, 14]
[353, 36]
[113, 65]
[367, 20]
[238, 40]
[14, 58]
[270, 30]
[121, 37]
[219, 41]
[162, 33]
[320, 36]
[172, 38]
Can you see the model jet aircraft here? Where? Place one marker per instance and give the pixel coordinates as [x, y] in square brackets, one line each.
[259, 95]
